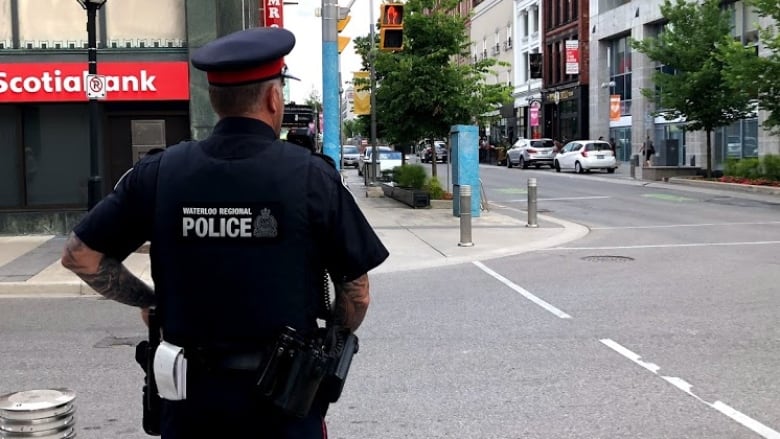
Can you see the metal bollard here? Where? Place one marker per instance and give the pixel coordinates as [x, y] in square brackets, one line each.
[532, 203]
[38, 413]
[465, 216]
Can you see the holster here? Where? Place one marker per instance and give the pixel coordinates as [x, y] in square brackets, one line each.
[301, 370]
[292, 375]
[340, 345]
[144, 356]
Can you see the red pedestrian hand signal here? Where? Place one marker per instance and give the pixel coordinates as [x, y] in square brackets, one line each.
[393, 15]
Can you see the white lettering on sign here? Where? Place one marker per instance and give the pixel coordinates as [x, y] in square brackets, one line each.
[273, 13]
[217, 222]
[224, 227]
[274, 3]
[54, 82]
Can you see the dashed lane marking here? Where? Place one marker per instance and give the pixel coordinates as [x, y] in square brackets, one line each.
[523, 292]
[681, 384]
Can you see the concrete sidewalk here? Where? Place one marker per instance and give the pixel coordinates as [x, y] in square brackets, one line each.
[416, 238]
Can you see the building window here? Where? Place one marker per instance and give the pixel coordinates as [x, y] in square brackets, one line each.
[736, 141]
[619, 58]
[11, 165]
[606, 5]
[56, 154]
[525, 23]
[163, 21]
[45, 152]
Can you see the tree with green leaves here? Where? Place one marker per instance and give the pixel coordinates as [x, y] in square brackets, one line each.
[692, 83]
[313, 100]
[426, 88]
[756, 75]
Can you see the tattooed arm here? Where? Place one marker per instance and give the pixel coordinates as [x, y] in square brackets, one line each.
[352, 301]
[106, 275]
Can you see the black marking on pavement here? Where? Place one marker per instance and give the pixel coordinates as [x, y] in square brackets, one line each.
[34, 261]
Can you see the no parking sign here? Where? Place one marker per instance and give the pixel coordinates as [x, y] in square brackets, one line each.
[96, 87]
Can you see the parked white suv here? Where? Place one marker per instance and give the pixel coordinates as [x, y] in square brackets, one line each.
[584, 155]
[534, 152]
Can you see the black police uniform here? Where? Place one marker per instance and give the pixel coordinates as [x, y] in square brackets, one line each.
[241, 226]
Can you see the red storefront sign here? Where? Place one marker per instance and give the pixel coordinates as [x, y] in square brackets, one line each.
[274, 13]
[65, 82]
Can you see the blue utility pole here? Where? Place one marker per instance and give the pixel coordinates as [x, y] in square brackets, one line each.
[331, 143]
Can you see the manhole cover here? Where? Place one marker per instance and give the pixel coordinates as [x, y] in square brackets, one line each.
[607, 259]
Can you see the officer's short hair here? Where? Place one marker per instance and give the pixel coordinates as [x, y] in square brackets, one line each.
[238, 100]
[241, 66]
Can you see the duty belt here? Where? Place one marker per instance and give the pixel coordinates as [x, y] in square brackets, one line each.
[222, 360]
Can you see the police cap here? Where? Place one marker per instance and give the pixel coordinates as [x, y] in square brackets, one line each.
[245, 57]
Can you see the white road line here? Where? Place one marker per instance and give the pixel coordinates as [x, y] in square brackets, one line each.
[745, 420]
[630, 355]
[558, 199]
[723, 408]
[523, 292]
[700, 244]
[674, 226]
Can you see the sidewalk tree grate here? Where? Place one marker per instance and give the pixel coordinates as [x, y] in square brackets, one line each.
[607, 259]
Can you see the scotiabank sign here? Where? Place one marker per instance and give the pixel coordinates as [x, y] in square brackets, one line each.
[65, 82]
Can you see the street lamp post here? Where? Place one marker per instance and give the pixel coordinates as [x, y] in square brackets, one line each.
[94, 186]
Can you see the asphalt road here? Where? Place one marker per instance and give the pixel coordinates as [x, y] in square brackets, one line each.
[661, 323]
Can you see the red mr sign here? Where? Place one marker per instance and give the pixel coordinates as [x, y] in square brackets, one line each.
[274, 13]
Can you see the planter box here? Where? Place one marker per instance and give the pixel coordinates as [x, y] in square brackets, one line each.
[415, 198]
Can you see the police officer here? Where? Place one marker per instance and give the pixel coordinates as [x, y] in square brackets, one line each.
[241, 227]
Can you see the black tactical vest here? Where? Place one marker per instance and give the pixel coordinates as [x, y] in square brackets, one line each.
[233, 256]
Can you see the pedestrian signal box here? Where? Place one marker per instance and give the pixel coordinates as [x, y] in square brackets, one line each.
[391, 32]
[392, 14]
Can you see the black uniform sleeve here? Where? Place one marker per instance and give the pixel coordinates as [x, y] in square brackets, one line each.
[352, 248]
[122, 221]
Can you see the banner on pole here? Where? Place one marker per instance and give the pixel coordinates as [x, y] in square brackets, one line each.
[614, 108]
[572, 57]
[361, 101]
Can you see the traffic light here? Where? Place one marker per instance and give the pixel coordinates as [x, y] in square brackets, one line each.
[535, 65]
[391, 31]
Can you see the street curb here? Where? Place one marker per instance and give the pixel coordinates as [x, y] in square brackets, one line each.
[571, 232]
[733, 187]
[45, 289]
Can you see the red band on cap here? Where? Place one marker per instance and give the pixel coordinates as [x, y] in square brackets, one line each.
[259, 73]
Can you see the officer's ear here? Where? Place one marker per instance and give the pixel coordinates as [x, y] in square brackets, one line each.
[274, 98]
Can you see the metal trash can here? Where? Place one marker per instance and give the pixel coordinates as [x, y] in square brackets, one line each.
[40, 414]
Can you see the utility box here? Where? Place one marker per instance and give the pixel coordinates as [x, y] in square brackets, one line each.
[464, 146]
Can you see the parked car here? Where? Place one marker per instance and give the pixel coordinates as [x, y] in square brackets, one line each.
[527, 152]
[584, 155]
[383, 150]
[734, 147]
[442, 154]
[351, 156]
